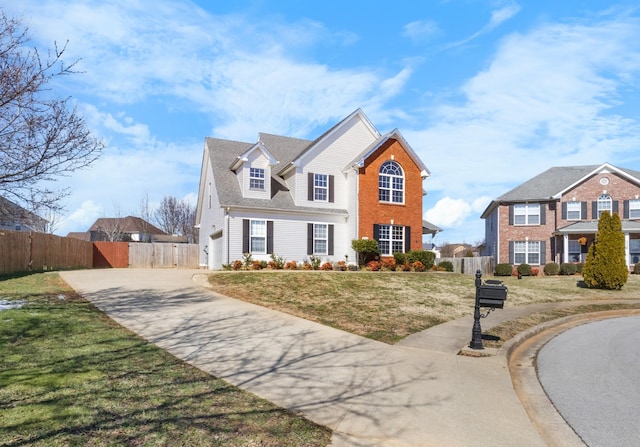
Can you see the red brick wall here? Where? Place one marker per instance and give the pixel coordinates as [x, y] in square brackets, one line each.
[521, 232]
[371, 211]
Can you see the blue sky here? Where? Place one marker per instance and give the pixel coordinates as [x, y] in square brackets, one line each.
[488, 93]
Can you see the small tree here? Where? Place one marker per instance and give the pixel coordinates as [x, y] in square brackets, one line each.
[606, 267]
[367, 249]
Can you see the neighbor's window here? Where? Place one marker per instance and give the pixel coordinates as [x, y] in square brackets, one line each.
[391, 239]
[256, 178]
[634, 209]
[526, 252]
[604, 204]
[391, 183]
[320, 239]
[634, 250]
[526, 214]
[574, 250]
[320, 187]
[574, 210]
[258, 236]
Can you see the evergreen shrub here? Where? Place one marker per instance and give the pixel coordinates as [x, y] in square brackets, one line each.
[447, 266]
[568, 268]
[503, 269]
[551, 268]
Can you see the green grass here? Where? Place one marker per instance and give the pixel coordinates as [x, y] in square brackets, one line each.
[70, 376]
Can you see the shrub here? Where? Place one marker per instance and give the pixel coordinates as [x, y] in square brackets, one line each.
[568, 268]
[446, 266]
[535, 271]
[427, 258]
[367, 249]
[503, 270]
[277, 262]
[388, 264]
[399, 257]
[418, 266]
[247, 260]
[257, 265]
[579, 267]
[315, 262]
[306, 265]
[405, 267]
[551, 268]
[636, 268]
[524, 269]
[374, 266]
[606, 266]
[326, 266]
[236, 265]
[291, 265]
[340, 266]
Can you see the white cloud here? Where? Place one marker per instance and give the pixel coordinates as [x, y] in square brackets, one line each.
[420, 30]
[448, 212]
[81, 218]
[498, 16]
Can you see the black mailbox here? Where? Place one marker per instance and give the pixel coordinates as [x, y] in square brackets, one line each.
[492, 295]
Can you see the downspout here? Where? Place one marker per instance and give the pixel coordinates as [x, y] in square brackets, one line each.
[226, 230]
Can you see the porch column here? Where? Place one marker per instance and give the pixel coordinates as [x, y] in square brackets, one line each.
[565, 248]
[627, 255]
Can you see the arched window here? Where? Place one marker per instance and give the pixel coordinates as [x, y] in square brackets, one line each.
[604, 204]
[391, 183]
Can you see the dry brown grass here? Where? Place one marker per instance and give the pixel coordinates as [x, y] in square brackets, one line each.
[388, 306]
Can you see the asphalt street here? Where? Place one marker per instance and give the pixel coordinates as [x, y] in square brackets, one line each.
[591, 374]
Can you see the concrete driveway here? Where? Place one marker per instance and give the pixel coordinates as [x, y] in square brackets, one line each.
[420, 393]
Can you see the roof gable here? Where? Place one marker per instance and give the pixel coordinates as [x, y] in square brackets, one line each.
[243, 158]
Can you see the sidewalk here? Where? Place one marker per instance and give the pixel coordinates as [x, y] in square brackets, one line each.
[416, 393]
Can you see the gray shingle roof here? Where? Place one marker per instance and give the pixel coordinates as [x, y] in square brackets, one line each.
[223, 153]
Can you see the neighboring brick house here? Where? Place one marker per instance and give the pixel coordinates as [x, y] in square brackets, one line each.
[121, 229]
[295, 198]
[553, 217]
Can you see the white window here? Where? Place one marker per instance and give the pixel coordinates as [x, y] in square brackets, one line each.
[574, 210]
[391, 239]
[526, 252]
[634, 209]
[320, 239]
[256, 178]
[258, 236]
[391, 183]
[604, 204]
[320, 187]
[526, 214]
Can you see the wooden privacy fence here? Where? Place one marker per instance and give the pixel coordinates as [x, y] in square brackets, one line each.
[470, 265]
[22, 251]
[163, 255]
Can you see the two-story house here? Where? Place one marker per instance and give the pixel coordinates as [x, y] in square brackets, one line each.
[296, 198]
[14, 217]
[553, 217]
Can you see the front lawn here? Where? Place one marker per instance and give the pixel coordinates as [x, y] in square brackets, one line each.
[70, 376]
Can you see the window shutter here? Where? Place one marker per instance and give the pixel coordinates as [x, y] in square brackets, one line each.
[245, 236]
[310, 186]
[615, 207]
[407, 239]
[594, 210]
[564, 210]
[331, 183]
[583, 210]
[510, 214]
[625, 207]
[310, 239]
[543, 252]
[269, 237]
[511, 257]
[376, 232]
[330, 240]
[543, 214]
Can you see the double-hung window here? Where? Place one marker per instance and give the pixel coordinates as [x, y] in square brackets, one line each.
[575, 250]
[391, 239]
[526, 214]
[634, 209]
[256, 178]
[320, 239]
[634, 250]
[391, 183]
[258, 236]
[604, 204]
[320, 187]
[526, 252]
[574, 210]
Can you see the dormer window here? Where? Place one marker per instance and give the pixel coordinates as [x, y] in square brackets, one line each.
[256, 178]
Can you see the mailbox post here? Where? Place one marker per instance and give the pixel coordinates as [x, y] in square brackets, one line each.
[491, 295]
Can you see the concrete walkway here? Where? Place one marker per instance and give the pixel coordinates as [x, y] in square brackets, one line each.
[416, 393]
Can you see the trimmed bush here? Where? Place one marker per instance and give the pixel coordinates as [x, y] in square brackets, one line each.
[367, 249]
[579, 267]
[374, 266]
[551, 269]
[427, 258]
[568, 268]
[446, 266]
[326, 266]
[606, 266]
[388, 264]
[503, 270]
[524, 269]
[400, 258]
